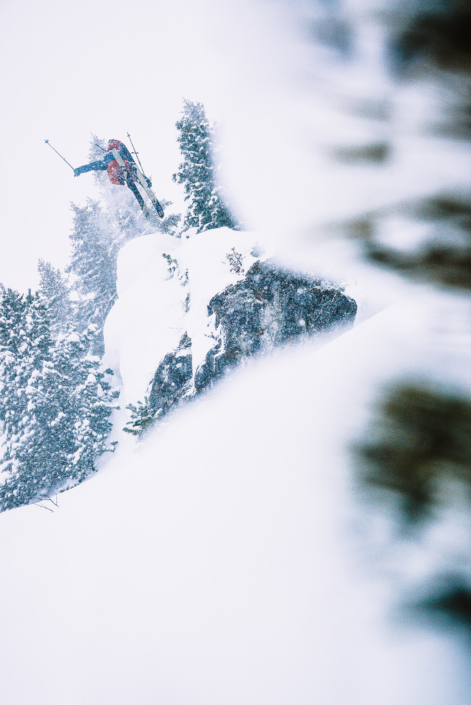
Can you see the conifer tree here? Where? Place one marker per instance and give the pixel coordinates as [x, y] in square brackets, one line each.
[197, 172]
[55, 290]
[101, 228]
[93, 264]
[55, 402]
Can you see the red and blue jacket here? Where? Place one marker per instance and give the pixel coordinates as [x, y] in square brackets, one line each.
[109, 164]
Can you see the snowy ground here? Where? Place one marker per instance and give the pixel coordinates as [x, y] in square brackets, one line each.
[225, 559]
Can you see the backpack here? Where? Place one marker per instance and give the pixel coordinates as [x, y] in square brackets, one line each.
[114, 170]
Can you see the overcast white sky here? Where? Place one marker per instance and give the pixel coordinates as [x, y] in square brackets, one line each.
[71, 68]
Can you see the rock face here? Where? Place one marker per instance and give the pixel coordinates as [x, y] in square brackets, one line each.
[173, 378]
[265, 309]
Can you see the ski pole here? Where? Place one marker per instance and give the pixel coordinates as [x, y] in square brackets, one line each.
[60, 155]
[96, 143]
[136, 153]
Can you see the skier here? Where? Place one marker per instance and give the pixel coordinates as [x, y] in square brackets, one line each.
[122, 169]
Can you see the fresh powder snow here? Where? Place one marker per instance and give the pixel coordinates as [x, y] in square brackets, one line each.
[226, 558]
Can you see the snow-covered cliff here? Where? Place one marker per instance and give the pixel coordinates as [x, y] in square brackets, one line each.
[188, 311]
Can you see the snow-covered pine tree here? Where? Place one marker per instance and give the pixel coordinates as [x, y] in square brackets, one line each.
[93, 264]
[55, 403]
[101, 228]
[54, 288]
[197, 172]
[142, 416]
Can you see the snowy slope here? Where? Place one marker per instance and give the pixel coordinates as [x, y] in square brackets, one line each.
[225, 560]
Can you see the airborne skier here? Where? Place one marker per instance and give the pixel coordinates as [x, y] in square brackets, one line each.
[122, 169]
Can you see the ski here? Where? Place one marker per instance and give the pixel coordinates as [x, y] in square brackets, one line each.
[150, 193]
[142, 180]
[138, 196]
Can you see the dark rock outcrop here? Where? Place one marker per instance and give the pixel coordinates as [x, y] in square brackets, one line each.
[268, 308]
[173, 378]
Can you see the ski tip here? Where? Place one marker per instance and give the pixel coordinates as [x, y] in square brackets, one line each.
[46, 141]
[159, 209]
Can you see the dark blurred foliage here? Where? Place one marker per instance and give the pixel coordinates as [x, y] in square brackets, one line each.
[415, 455]
[432, 43]
[442, 603]
[421, 440]
[440, 260]
[444, 38]
[450, 601]
[421, 437]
